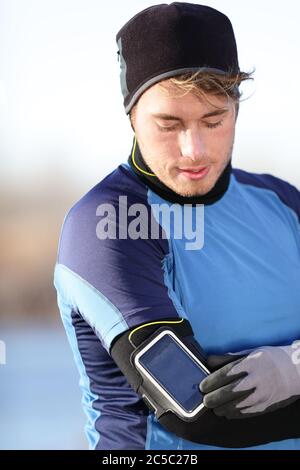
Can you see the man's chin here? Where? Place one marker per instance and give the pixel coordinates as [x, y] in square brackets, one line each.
[190, 188]
[193, 192]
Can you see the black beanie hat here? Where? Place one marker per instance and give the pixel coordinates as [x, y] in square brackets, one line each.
[167, 40]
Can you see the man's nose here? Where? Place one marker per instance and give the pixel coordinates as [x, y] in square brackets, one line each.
[192, 144]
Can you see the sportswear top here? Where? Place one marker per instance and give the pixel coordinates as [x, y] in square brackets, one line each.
[238, 286]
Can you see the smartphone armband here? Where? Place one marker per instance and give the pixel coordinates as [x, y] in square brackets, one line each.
[164, 365]
[159, 361]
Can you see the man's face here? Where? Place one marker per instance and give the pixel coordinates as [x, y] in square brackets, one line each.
[186, 141]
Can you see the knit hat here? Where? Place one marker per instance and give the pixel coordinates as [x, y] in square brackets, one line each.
[164, 40]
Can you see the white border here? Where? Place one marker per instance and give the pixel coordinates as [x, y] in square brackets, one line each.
[144, 372]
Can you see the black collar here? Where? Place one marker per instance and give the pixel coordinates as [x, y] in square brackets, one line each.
[216, 193]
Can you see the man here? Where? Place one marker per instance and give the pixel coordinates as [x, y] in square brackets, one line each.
[222, 271]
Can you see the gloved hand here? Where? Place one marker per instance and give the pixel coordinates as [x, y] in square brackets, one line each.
[266, 379]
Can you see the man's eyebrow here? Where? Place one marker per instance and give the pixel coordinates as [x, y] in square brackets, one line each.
[170, 117]
[166, 117]
[217, 112]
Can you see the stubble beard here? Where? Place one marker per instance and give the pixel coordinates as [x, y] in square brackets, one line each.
[192, 188]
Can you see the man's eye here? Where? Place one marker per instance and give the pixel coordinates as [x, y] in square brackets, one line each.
[167, 129]
[213, 125]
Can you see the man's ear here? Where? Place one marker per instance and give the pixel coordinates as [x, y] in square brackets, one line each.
[129, 116]
[132, 116]
[237, 109]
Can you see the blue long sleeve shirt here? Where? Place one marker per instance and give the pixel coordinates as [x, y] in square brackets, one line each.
[240, 290]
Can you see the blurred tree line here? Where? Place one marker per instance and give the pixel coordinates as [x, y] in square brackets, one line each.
[31, 216]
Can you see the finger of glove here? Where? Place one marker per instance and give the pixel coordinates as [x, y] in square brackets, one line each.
[230, 410]
[233, 412]
[259, 409]
[244, 352]
[222, 396]
[214, 362]
[220, 378]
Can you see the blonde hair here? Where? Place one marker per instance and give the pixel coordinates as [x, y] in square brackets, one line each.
[203, 84]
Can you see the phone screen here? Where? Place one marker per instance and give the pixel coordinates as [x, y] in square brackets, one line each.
[176, 371]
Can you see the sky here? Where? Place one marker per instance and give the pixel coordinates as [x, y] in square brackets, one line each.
[61, 108]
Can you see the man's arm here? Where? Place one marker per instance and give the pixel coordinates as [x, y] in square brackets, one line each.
[104, 288]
